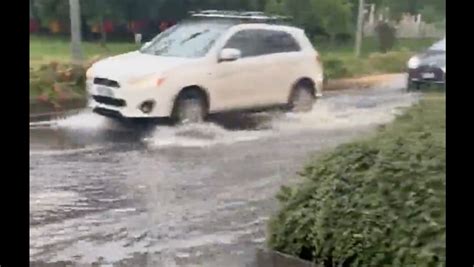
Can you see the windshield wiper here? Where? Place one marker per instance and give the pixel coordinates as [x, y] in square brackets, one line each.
[193, 36]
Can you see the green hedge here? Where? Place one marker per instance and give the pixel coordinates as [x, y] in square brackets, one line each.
[55, 82]
[346, 65]
[378, 202]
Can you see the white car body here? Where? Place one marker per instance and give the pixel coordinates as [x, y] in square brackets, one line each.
[246, 83]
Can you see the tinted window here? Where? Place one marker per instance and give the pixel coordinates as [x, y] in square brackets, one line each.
[280, 42]
[262, 42]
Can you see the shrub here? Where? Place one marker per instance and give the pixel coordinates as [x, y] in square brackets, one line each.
[335, 68]
[54, 81]
[379, 202]
[386, 35]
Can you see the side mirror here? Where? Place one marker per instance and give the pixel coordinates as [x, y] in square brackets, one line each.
[229, 54]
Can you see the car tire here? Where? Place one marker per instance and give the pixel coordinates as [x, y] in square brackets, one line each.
[412, 86]
[302, 99]
[190, 108]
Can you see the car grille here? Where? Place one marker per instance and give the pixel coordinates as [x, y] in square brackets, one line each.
[106, 82]
[108, 112]
[109, 101]
[439, 75]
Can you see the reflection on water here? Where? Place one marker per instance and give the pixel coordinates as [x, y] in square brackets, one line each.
[109, 192]
[258, 258]
[266, 258]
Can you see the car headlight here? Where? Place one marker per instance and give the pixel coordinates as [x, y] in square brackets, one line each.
[89, 73]
[414, 62]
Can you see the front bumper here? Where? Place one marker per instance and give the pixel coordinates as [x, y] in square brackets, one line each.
[126, 102]
[427, 74]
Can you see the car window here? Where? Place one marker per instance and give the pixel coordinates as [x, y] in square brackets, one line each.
[262, 42]
[247, 41]
[189, 39]
[280, 42]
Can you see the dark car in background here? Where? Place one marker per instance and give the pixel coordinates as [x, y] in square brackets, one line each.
[429, 67]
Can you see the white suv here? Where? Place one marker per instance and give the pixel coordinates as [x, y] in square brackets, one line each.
[207, 64]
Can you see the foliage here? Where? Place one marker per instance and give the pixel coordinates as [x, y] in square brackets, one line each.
[397, 8]
[386, 35]
[330, 18]
[430, 14]
[335, 68]
[378, 202]
[49, 10]
[334, 16]
[55, 82]
[317, 17]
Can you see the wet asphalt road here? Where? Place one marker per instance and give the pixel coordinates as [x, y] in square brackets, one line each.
[196, 195]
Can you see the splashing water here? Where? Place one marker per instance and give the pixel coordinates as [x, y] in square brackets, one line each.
[86, 120]
[200, 135]
[347, 111]
[342, 110]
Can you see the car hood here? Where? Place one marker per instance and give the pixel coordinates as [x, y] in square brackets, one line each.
[434, 58]
[134, 65]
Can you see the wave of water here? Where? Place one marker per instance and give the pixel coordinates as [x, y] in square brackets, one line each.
[342, 110]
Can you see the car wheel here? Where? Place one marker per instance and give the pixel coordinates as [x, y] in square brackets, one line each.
[412, 85]
[302, 99]
[190, 108]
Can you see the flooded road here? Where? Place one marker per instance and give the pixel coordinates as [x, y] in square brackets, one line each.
[197, 195]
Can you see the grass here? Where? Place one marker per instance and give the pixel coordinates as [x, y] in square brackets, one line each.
[44, 50]
[370, 46]
[371, 61]
[379, 201]
[339, 60]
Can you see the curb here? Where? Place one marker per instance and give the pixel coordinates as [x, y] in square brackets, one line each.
[359, 82]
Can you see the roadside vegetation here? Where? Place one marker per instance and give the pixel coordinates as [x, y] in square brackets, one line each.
[375, 202]
[340, 62]
[44, 50]
[54, 79]
[329, 23]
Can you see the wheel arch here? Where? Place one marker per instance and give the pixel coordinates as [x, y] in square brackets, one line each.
[305, 81]
[191, 90]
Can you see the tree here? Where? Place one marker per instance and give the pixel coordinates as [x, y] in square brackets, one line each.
[335, 16]
[49, 10]
[429, 14]
[317, 17]
[436, 8]
[274, 7]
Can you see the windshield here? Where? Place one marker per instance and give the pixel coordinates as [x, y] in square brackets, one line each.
[189, 39]
[439, 46]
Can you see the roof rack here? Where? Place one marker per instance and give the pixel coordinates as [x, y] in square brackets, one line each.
[246, 15]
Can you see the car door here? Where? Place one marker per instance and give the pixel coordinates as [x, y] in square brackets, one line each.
[240, 84]
[283, 58]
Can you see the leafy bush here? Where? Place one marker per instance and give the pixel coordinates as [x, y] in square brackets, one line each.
[335, 68]
[379, 202]
[386, 35]
[54, 82]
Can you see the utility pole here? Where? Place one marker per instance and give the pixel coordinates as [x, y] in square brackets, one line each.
[360, 30]
[75, 14]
